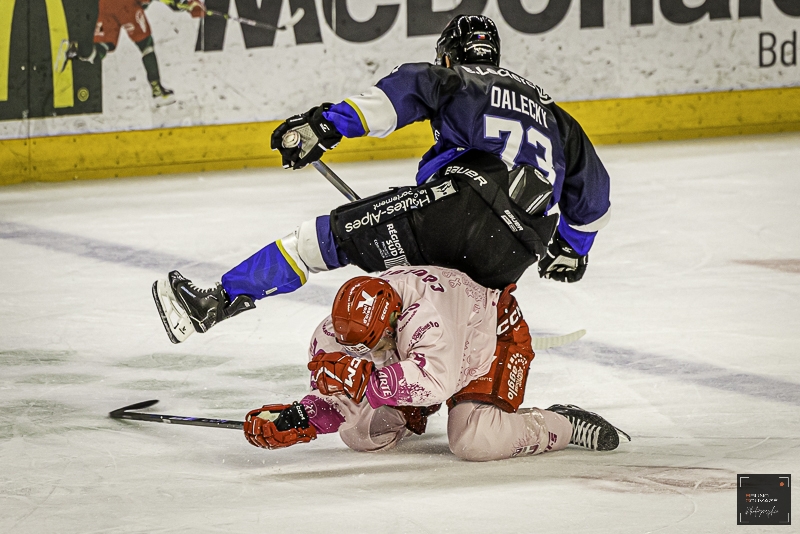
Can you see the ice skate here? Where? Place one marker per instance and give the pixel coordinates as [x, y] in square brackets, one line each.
[67, 51]
[161, 95]
[589, 430]
[184, 308]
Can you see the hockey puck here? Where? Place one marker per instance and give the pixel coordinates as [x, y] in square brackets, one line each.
[291, 139]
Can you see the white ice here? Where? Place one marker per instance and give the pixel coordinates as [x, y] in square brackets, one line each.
[691, 303]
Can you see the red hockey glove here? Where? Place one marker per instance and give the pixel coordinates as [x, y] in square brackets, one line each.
[304, 138]
[276, 426]
[337, 373]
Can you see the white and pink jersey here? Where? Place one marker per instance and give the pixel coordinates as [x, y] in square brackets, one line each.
[446, 337]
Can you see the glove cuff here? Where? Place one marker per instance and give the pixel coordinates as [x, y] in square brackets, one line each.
[325, 130]
[294, 416]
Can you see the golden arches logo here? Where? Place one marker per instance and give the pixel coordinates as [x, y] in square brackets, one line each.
[57, 24]
[6, 15]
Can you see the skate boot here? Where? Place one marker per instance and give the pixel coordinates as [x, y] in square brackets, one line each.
[589, 429]
[72, 50]
[184, 308]
[161, 95]
[67, 51]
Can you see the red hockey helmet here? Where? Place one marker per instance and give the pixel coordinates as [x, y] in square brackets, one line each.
[363, 309]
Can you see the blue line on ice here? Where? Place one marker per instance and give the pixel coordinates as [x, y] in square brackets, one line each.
[703, 374]
[104, 251]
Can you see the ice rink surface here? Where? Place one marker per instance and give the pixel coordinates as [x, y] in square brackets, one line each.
[691, 302]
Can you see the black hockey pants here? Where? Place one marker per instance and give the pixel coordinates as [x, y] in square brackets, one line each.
[462, 218]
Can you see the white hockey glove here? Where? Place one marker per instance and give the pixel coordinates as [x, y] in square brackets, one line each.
[562, 263]
[304, 138]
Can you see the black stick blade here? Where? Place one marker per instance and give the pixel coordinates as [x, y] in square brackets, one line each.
[117, 414]
[131, 412]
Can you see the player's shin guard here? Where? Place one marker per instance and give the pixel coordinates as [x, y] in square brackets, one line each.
[275, 269]
[284, 265]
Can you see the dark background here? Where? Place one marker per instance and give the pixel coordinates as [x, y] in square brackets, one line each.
[30, 76]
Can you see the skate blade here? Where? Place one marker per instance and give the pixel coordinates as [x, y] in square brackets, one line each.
[60, 63]
[164, 101]
[176, 322]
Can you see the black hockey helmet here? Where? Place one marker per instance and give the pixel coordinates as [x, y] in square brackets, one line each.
[469, 39]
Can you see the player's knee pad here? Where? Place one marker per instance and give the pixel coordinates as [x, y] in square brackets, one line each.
[472, 432]
[308, 247]
[382, 430]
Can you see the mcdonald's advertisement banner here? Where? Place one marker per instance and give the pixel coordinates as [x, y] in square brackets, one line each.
[75, 66]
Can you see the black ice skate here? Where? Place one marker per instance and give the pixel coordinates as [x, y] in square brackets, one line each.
[184, 308]
[161, 95]
[589, 429]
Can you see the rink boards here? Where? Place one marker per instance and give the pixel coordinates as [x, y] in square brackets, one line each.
[236, 146]
[628, 70]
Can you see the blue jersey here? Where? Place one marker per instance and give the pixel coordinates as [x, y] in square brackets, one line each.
[480, 107]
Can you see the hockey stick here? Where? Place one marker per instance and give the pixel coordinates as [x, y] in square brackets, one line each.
[293, 138]
[128, 412]
[337, 182]
[549, 342]
[294, 19]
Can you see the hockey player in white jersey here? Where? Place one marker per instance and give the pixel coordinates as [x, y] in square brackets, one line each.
[397, 346]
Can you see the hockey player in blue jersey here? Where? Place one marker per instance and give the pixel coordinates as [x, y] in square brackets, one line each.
[511, 180]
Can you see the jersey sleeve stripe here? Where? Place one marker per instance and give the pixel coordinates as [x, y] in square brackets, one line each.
[291, 260]
[376, 112]
[360, 115]
[595, 226]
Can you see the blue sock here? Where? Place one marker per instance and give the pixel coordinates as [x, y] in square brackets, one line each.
[270, 271]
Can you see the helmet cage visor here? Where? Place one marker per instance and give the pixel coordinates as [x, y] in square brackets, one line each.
[469, 39]
[363, 313]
